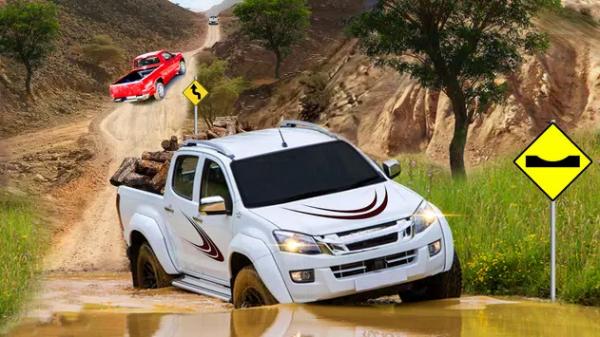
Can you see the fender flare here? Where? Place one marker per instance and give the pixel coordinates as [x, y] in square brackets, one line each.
[448, 243]
[151, 231]
[261, 257]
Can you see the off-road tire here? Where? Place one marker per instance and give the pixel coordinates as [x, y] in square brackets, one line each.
[148, 273]
[250, 291]
[182, 68]
[159, 92]
[440, 286]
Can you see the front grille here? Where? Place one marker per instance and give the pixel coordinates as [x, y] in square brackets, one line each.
[378, 241]
[367, 266]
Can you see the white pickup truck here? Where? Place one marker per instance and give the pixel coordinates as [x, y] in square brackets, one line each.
[291, 214]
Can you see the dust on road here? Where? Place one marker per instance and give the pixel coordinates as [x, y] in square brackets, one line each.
[95, 243]
[78, 307]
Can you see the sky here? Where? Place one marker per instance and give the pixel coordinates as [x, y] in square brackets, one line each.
[197, 5]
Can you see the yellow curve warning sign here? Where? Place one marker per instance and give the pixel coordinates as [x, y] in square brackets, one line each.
[195, 92]
[553, 161]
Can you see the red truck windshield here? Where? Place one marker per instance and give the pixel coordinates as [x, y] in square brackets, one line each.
[148, 61]
[302, 173]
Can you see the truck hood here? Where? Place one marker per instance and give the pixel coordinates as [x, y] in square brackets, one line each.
[344, 211]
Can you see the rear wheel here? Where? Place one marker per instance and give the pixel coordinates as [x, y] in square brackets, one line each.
[250, 291]
[440, 286]
[148, 273]
[182, 68]
[159, 93]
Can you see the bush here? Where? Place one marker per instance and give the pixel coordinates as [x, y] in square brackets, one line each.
[317, 96]
[101, 51]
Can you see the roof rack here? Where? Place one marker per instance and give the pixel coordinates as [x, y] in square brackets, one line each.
[308, 126]
[209, 145]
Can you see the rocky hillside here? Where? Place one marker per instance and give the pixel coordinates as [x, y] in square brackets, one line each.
[386, 114]
[68, 84]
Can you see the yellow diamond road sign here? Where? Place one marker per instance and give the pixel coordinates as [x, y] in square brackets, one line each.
[195, 92]
[553, 161]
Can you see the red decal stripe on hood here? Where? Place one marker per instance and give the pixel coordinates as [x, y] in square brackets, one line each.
[370, 214]
[360, 210]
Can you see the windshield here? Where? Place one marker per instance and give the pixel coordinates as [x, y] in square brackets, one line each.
[148, 61]
[302, 173]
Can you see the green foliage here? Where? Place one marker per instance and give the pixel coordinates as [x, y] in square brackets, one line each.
[223, 91]
[456, 46]
[317, 96]
[102, 51]
[27, 32]
[501, 225]
[20, 241]
[277, 24]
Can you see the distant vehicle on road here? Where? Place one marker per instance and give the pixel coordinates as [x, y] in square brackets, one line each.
[151, 73]
[292, 214]
[213, 20]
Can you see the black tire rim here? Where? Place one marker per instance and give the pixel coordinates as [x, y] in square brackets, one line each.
[148, 276]
[251, 298]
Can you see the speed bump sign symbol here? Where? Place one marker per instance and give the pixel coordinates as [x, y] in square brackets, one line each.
[195, 92]
[553, 161]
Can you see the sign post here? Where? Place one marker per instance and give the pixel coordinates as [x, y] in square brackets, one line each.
[195, 93]
[553, 162]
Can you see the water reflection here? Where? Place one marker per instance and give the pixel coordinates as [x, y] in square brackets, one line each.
[468, 317]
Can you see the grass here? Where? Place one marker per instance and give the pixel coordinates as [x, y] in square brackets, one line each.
[21, 241]
[500, 222]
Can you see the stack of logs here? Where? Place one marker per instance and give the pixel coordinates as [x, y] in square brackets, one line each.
[149, 173]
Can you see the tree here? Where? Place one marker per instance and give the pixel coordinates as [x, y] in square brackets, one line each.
[278, 24]
[27, 32]
[223, 91]
[457, 46]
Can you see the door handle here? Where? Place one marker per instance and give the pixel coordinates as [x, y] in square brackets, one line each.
[169, 209]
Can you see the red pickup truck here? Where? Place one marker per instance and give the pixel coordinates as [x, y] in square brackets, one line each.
[151, 73]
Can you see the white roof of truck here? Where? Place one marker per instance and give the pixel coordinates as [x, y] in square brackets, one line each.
[256, 143]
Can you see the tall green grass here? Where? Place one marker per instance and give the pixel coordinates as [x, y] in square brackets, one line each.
[500, 222]
[21, 240]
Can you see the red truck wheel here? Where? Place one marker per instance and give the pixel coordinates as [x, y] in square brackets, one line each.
[182, 68]
[159, 93]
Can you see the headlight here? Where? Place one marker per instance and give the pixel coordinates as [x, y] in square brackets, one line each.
[296, 243]
[424, 217]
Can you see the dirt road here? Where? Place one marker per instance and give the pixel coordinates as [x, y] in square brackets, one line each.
[95, 243]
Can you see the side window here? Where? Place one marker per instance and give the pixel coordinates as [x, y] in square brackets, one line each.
[214, 183]
[183, 176]
[167, 56]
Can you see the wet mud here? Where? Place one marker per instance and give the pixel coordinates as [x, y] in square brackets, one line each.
[108, 307]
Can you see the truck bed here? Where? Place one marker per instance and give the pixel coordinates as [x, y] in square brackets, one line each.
[134, 201]
[136, 75]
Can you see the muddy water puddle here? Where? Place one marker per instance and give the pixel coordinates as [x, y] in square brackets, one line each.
[107, 306]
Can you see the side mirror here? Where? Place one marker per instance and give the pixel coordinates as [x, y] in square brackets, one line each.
[391, 168]
[213, 206]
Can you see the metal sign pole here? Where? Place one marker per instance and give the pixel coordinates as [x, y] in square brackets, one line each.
[195, 120]
[553, 250]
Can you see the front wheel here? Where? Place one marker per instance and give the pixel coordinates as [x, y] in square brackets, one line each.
[148, 273]
[440, 286]
[182, 68]
[159, 93]
[250, 291]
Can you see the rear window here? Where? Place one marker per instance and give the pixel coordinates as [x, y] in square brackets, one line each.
[148, 61]
[302, 173]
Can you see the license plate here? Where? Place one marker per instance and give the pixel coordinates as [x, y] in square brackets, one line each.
[380, 279]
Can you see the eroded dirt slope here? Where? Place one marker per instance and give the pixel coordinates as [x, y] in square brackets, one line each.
[95, 242]
[387, 114]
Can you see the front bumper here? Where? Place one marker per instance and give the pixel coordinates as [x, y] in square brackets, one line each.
[328, 286]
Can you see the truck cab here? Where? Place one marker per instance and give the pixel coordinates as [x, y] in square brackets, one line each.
[292, 214]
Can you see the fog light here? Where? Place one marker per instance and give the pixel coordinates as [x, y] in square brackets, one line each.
[435, 248]
[303, 276]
